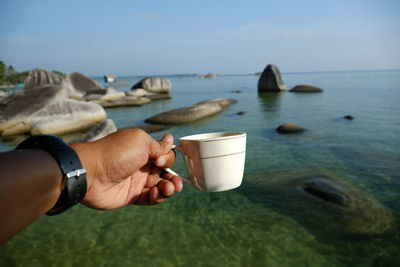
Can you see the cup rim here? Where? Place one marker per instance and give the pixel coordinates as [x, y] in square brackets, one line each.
[219, 136]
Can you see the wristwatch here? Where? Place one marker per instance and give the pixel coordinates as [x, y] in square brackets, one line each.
[74, 176]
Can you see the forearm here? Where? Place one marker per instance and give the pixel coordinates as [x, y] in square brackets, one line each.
[30, 184]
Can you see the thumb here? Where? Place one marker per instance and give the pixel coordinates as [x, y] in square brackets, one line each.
[167, 159]
[161, 147]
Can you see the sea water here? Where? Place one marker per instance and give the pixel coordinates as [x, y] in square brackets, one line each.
[265, 222]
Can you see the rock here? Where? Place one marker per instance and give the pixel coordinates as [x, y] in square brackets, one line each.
[105, 95]
[323, 203]
[241, 113]
[158, 96]
[100, 130]
[17, 129]
[237, 91]
[65, 117]
[78, 85]
[2, 95]
[110, 78]
[41, 78]
[288, 128]
[348, 117]
[304, 88]
[209, 76]
[357, 212]
[198, 111]
[16, 108]
[140, 92]
[154, 85]
[271, 80]
[123, 101]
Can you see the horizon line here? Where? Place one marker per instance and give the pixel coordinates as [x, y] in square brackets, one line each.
[247, 74]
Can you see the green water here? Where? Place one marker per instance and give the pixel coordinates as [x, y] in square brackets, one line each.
[269, 220]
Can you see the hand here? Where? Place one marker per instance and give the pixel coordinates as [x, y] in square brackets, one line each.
[127, 167]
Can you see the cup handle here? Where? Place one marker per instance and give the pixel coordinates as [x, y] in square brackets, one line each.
[174, 173]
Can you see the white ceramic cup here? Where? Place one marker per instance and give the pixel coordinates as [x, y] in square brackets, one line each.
[214, 161]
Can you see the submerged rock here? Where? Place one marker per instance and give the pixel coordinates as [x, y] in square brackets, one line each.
[324, 203]
[288, 128]
[271, 80]
[198, 111]
[41, 78]
[348, 117]
[304, 88]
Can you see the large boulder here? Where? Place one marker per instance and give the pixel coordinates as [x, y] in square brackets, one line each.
[305, 88]
[78, 85]
[41, 78]
[196, 112]
[65, 117]
[271, 80]
[154, 85]
[16, 108]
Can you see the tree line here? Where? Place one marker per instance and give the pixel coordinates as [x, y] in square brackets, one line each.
[9, 76]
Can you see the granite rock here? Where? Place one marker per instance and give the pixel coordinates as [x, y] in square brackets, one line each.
[189, 114]
[271, 80]
[41, 78]
[304, 88]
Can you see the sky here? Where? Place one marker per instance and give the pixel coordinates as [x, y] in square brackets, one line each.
[133, 37]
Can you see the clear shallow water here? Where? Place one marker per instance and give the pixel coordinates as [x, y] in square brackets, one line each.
[269, 220]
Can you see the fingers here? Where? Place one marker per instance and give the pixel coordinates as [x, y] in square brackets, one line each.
[166, 187]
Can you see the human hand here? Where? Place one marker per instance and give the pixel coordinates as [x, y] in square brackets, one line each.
[127, 167]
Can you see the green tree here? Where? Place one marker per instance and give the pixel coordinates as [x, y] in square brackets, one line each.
[3, 72]
[11, 71]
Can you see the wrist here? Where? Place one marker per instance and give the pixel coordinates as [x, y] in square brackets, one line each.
[87, 154]
[70, 166]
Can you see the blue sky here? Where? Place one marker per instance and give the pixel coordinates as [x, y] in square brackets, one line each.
[167, 37]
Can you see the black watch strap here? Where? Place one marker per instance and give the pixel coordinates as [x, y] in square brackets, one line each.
[70, 166]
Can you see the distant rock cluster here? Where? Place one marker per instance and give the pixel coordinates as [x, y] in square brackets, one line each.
[271, 81]
[209, 76]
[52, 104]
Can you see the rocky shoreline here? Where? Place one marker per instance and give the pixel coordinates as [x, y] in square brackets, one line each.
[53, 104]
